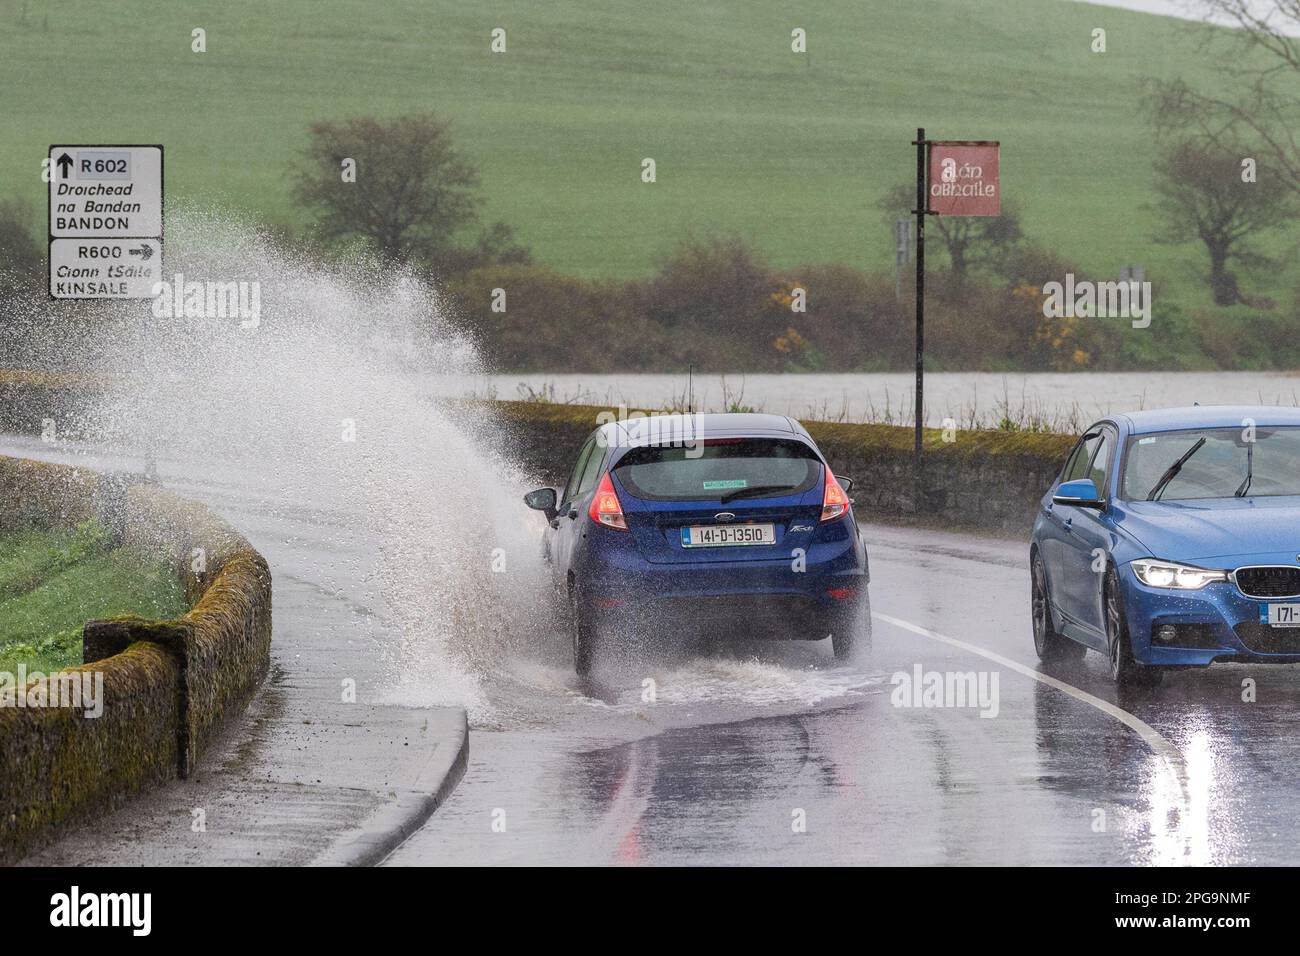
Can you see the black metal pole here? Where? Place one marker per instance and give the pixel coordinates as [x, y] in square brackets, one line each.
[922, 204]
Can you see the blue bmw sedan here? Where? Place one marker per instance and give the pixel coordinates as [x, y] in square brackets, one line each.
[704, 523]
[1171, 538]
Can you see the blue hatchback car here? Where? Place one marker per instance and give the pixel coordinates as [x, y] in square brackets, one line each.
[1171, 538]
[707, 524]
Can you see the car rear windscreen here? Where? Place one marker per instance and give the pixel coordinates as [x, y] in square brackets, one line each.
[722, 469]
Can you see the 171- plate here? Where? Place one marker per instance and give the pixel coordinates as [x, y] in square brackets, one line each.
[1280, 615]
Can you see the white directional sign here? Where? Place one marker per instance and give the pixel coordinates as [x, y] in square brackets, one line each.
[106, 221]
[104, 268]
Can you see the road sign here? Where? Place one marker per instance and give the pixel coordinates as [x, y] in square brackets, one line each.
[953, 178]
[104, 268]
[106, 221]
[964, 179]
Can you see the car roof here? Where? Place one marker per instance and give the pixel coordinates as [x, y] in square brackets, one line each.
[664, 429]
[1208, 416]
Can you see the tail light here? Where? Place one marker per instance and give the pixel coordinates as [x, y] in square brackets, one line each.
[834, 501]
[605, 508]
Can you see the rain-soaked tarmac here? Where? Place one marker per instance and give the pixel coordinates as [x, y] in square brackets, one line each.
[773, 753]
[1053, 778]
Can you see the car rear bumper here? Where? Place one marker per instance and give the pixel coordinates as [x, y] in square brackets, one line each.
[760, 616]
[789, 616]
[1216, 624]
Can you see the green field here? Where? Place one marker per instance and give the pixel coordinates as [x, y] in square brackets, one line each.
[790, 151]
[52, 582]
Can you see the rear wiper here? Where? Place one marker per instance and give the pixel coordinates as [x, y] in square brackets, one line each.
[1250, 472]
[756, 490]
[1174, 469]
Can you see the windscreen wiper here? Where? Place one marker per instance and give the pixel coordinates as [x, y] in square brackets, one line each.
[756, 490]
[1250, 471]
[1173, 470]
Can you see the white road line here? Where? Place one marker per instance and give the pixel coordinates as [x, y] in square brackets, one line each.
[1171, 755]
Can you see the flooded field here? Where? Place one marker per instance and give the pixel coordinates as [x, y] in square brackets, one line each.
[1056, 400]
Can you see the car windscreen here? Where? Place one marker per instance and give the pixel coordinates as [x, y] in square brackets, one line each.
[721, 469]
[1246, 461]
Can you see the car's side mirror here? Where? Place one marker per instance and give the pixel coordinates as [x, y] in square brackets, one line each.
[1081, 493]
[845, 483]
[543, 500]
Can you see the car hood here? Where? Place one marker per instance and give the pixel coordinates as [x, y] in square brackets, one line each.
[1216, 533]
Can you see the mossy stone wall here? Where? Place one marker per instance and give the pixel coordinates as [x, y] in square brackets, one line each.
[169, 686]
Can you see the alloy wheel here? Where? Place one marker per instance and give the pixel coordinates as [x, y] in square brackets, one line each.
[1039, 606]
[1113, 629]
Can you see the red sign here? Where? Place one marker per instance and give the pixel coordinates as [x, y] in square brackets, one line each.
[964, 179]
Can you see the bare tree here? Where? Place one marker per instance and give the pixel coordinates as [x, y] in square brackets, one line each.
[1258, 93]
[1204, 197]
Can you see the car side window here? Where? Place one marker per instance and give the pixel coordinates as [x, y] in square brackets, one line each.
[591, 472]
[1070, 460]
[1082, 459]
[584, 456]
[1100, 467]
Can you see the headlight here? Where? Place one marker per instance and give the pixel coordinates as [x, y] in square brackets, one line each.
[1166, 574]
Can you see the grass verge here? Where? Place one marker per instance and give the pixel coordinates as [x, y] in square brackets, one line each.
[52, 582]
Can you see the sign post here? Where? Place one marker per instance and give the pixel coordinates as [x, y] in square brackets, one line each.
[921, 211]
[953, 178]
[105, 221]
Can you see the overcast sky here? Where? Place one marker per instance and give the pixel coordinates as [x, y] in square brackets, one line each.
[1173, 8]
[1189, 9]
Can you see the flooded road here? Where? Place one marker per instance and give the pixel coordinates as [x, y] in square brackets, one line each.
[773, 752]
[828, 770]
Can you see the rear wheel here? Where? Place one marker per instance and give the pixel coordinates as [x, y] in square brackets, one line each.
[1125, 670]
[1050, 645]
[851, 632]
[583, 634]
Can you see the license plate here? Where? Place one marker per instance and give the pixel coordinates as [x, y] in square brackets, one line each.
[720, 536]
[1280, 615]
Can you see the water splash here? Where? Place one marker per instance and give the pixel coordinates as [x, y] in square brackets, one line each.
[316, 408]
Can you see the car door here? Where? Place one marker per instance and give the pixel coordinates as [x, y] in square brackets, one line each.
[1087, 542]
[1057, 537]
[566, 522]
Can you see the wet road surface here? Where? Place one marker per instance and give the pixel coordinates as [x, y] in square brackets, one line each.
[774, 753]
[1064, 772]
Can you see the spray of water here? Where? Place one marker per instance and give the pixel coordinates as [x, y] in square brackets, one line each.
[317, 407]
[325, 413]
